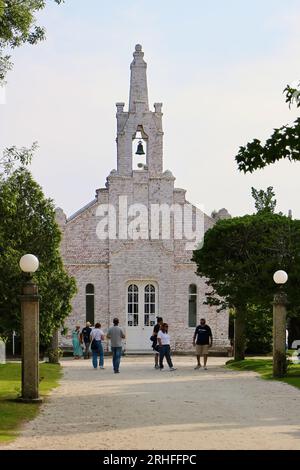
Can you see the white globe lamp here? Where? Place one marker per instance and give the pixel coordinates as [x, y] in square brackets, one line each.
[29, 263]
[280, 277]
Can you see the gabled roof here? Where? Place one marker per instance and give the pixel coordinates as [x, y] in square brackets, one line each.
[84, 208]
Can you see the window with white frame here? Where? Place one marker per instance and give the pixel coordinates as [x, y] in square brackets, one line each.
[149, 305]
[133, 305]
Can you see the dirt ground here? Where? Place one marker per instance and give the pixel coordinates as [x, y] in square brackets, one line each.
[144, 408]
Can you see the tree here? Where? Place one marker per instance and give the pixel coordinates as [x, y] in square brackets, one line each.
[17, 27]
[258, 330]
[284, 143]
[264, 200]
[239, 257]
[28, 226]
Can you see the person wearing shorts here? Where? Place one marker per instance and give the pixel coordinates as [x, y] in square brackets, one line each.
[202, 341]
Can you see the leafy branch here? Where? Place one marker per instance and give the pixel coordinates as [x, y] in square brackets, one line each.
[13, 155]
[17, 27]
[284, 143]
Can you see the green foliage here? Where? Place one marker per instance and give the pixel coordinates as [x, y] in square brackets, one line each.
[240, 255]
[259, 330]
[264, 200]
[284, 143]
[18, 26]
[28, 226]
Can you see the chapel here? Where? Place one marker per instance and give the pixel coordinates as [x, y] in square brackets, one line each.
[130, 247]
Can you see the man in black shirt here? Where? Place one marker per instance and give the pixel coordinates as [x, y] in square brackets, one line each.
[202, 340]
[85, 338]
[154, 342]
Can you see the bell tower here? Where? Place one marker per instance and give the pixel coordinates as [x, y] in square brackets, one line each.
[139, 130]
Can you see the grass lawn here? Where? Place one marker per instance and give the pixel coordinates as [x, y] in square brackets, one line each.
[265, 368]
[13, 414]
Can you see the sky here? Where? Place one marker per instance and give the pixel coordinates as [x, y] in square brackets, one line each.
[219, 67]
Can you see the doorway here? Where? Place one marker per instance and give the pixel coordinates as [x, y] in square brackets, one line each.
[142, 310]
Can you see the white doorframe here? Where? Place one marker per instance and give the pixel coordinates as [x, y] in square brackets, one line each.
[141, 312]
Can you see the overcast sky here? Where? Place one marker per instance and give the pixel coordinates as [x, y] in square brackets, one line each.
[219, 67]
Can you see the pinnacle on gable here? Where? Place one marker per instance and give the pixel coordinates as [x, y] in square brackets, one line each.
[138, 82]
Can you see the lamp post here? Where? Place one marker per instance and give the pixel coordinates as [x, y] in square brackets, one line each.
[30, 332]
[279, 325]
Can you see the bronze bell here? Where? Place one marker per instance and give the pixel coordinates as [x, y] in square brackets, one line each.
[140, 149]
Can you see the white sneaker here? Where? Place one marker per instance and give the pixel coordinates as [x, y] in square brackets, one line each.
[205, 368]
[172, 368]
[197, 367]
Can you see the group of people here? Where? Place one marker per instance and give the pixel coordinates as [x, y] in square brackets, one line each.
[89, 339]
[161, 344]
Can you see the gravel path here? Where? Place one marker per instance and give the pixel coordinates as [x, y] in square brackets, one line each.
[142, 408]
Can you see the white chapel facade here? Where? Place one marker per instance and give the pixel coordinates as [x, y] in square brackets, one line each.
[137, 275]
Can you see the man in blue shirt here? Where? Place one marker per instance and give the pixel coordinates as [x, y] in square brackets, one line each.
[202, 340]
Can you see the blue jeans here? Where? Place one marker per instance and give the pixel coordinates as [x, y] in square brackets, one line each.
[116, 357]
[97, 351]
[165, 351]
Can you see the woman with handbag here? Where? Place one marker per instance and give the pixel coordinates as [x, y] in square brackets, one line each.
[96, 338]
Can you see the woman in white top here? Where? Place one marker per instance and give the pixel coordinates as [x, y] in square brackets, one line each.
[163, 339]
[96, 338]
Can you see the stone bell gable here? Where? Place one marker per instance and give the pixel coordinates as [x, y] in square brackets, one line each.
[139, 118]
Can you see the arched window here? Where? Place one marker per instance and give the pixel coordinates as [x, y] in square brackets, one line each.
[192, 305]
[133, 305]
[149, 305]
[90, 303]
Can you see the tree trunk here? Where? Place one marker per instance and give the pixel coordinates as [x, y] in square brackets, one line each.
[53, 351]
[239, 334]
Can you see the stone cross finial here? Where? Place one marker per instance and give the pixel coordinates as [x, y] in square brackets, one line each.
[138, 81]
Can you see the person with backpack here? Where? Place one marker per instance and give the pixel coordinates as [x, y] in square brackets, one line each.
[85, 339]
